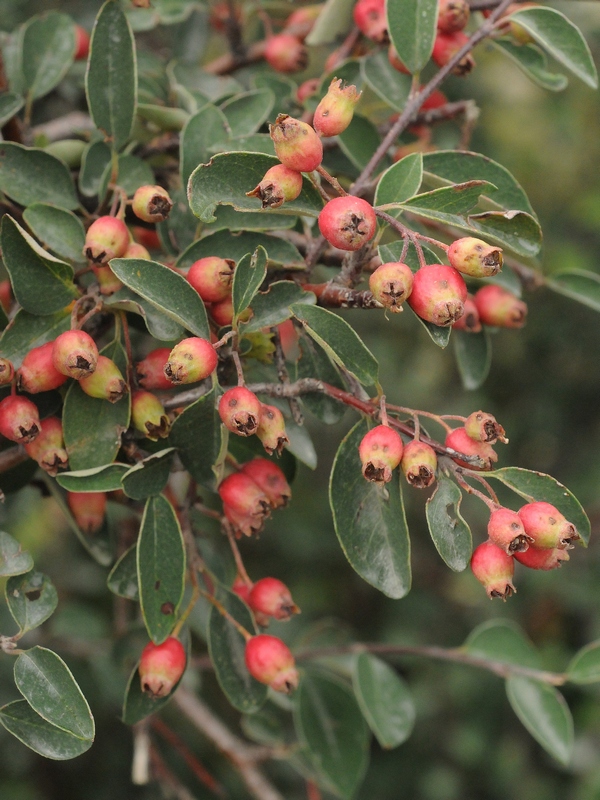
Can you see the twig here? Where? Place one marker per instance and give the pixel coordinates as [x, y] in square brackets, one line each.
[283, 375]
[12, 457]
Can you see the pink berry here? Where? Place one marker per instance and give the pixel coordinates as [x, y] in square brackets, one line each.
[370, 19]
[380, 452]
[191, 360]
[499, 307]
[546, 558]
[82, 43]
[483, 427]
[348, 222]
[222, 313]
[475, 257]
[419, 463]
[151, 203]
[280, 184]
[74, 354]
[88, 508]
[506, 530]
[106, 381]
[148, 416]
[161, 667]
[211, 277]
[241, 588]
[37, 373]
[453, 15]
[286, 53]
[391, 284]
[240, 411]
[546, 526]
[494, 569]
[272, 598]
[270, 479]
[151, 370]
[459, 440]
[244, 498]
[106, 238]
[446, 45]
[48, 447]
[438, 295]
[19, 419]
[335, 111]
[307, 89]
[136, 250]
[297, 145]
[270, 661]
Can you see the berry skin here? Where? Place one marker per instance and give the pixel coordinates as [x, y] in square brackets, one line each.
[240, 411]
[445, 47]
[88, 508]
[148, 416]
[107, 280]
[370, 19]
[286, 53]
[151, 203]
[191, 360]
[222, 313]
[307, 89]
[272, 598]
[82, 43]
[297, 145]
[75, 354]
[270, 661]
[106, 382]
[37, 373]
[482, 427]
[419, 463]
[48, 447]
[248, 502]
[6, 295]
[146, 237]
[391, 284]
[494, 569]
[380, 452]
[348, 222]
[546, 526]
[280, 184]
[303, 18]
[453, 15]
[335, 111]
[270, 479]
[7, 371]
[106, 238]
[271, 430]
[459, 440]
[469, 322]
[241, 588]
[439, 294]
[19, 419]
[475, 258]
[161, 667]
[506, 530]
[151, 370]
[498, 307]
[545, 559]
[136, 250]
[211, 277]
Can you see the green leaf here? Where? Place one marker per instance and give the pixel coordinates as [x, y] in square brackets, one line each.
[150, 476]
[514, 229]
[438, 335]
[95, 170]
[246, 112]
[229, 219]
[384, 699]
[29, 175]
[584, 667]
[166, 119]
[133, 173]
[502, 640]
[563, 40]
[447, 201]
[59, 229]
[201, 440]
[13, 560]
[335, 20]
[274, 306]
[339, 340]
[532, 61]
[359, 141]
[29, 728]
[369, 520]
[48, 51]
[123, 577]
[227, 646]
[392, 86]
[161, 567]
[98, 479]
[166, 290]
[536, 486]
[543, 711]
[578, 284]
[159, 325]
[474, 357]
[26, 331]
[450, 533]
[301, 445]
[401, 181]
[138, 704]
[10, 105]
[315, 363]
[203, 130]
[332, 732]
[31, 599]
[282, 87]
[111, 77]
[49, 687]
[247, 279]
[224, 245]
[228, 176]
[412, 29]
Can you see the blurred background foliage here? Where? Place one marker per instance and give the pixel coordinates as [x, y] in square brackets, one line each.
[544, 387]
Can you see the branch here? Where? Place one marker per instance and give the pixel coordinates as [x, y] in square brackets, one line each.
[12, 457]
[333, 295]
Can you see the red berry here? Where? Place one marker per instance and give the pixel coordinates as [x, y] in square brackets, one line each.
[151, 203]
[499, 307]
[222, 313]
[270, 479]
[453, 15]
[370, 19]
[380, 452]
[211, 277]
[106, 381]
[241, 588]
[37, 373]
[435, 100]
[475, 258]
[48, 447]
[146, 236]
[335, 111]
[75, 354]
[88, 508]
[191, 360]
[483, 427]
[106, 238]
[19, 419]
[272, 598]
[242, 495]
[546, 526]
[240, 410]
[271, 430]
[419, 463]
[280, 184]
[439, 294]
[446, 45]
[494, 569]
[148, 416]
[303, 19]
[506, 530]
[151, 370]
[469, 322]
[286, 53]
[546, 558]
[82, 43]
[391, 284]
[161, 667]
[459, 440]
[270, 661]
[297, 145]
[348, 222]
[6, 296]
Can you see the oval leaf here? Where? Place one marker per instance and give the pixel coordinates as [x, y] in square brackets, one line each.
[315, 363]
[412, 29]
[401, 181]
[502, 640]
[150, 476]
[585, 665]
[474, 357]
[123, 577]
[274, 306]
[246, 112]
[202, 131]
[31, 599]
[13, 560]
[159, 325]
[26, 331]
[578, 284]
[58, 229]
[247, 279]
[224, 245]
[532, 61]
[29, 175]
[10, 105]
[335, 20]
[97, 479]
[392, 86]
[450, 533]
[29, 728]
[95, 169]
[48, 51]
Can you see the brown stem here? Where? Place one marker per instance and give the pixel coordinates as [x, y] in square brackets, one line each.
[283, 375]
[471, 490]
[331, 180]
[236, 554]
[331, 295]
[12, 457]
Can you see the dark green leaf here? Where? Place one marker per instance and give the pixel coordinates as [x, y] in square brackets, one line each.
[26, 331]
[369, 520]
[450, 533]
[203, 130]
[274, 306]
[448, 200]
[161, 567]
[532, 61]
[48, 51]
[339, 340]
[401, 181]
[111, 79]
[166, 119]
[502, 640]
[201, 440]
[49, 687]
[159, 325]
[282, 87]
[585, 665]
[210, 87]
[578, 284]
[247, 279]
[563, 40]
[123, 577]
[227, 178]
[59, 229]
[534, 486]
[133, 173]
[335, 20]
[255, 143]
[543, 711]
[392, 86]
[439, 335]
[246, 112]
[29, 175]
[97, 479]
[166, 290]
[95, 170]
[150, 476]
[227, 218]
[10, 105]
[31, 599]
[412, 29]
[515, 229]
[474, 357]
[359, 141]
[13, 560]
[224, 245]
[315, 363]
[29, 728]
[226, 647]
[332, 731]
[384, 699]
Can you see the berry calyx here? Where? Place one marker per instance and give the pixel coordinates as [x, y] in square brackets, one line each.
[475, 257]
[438, 295]
[546, 526]
[240, 410]
[151, 370]
[348, 222]
[271, 430]
[297, 145]
[335, 111]
[7, 371]
[453, 15]
[191, 360]
[545, 559]
[270, 661]
[106, 382]
[106, 238]
[37, 372]
[272, 598]
[370, 19]
[211, 277]
[286, 53]
[270, 479]
[151, 203]
[75, 354]
[380, 452]
[494, 569]
[280, 184]
[148, 416]
[499, 307]
[161, 667]
[48, 447]
[446, 46]
[89, 509]
[391, 284]
[419, 463]
[459, 440]
[483, 427]
[469, 322]
[19, 419]
[505, 529]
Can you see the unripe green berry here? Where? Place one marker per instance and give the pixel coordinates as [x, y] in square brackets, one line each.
[419, 463]
[148, 416]
[391, 284]
[151, 203]
[335, 111]
[106, 382]
[475, 258]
